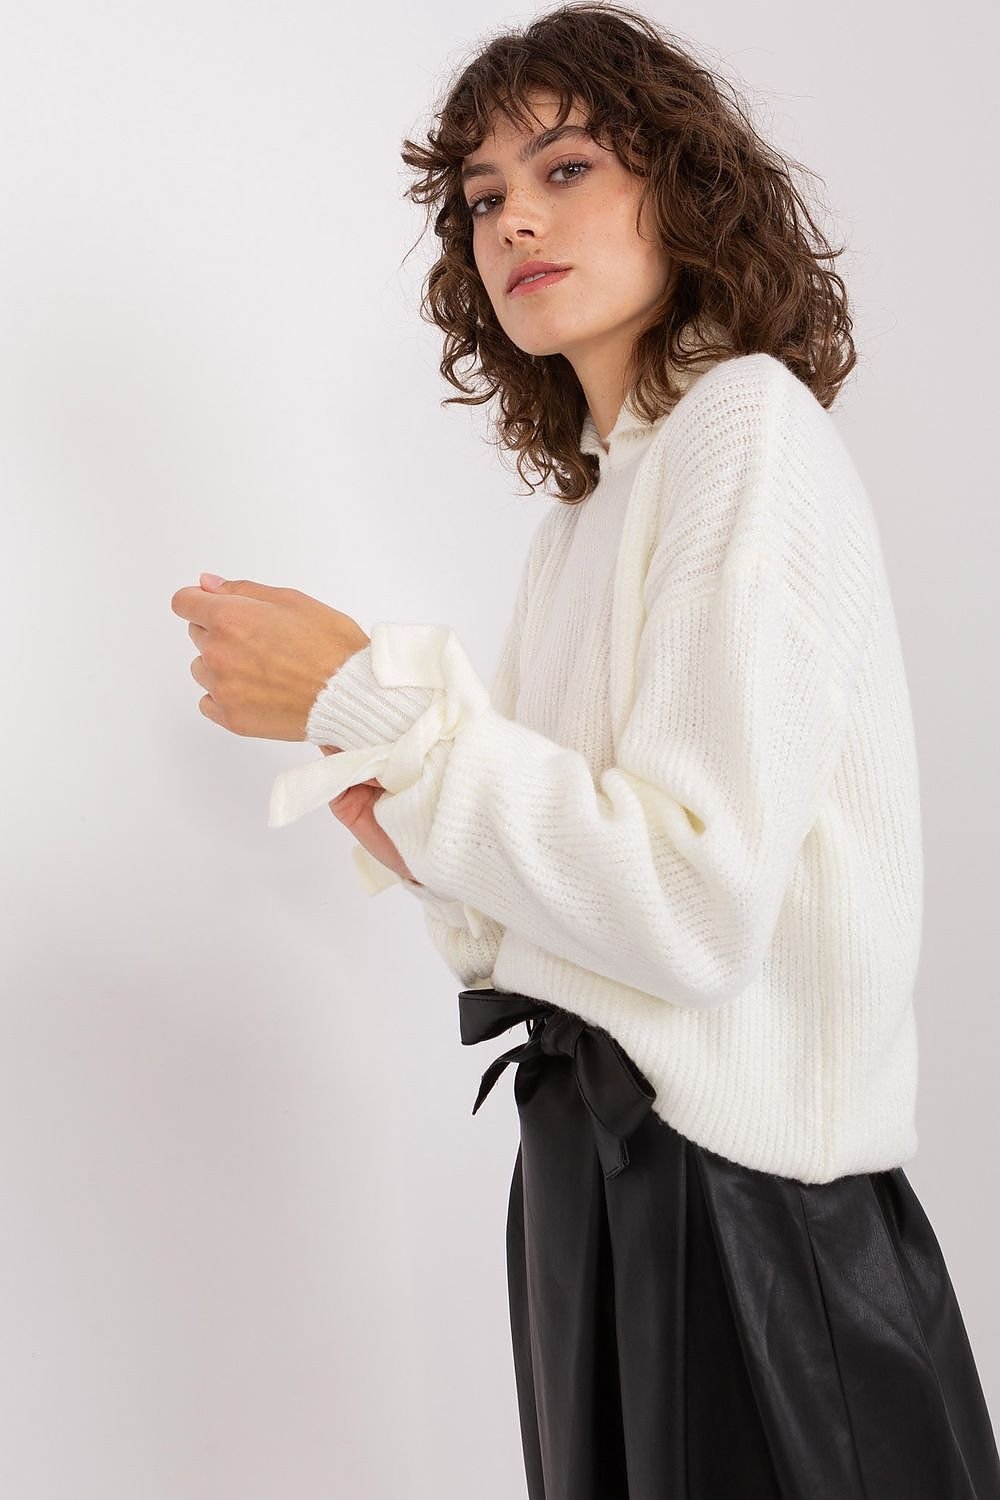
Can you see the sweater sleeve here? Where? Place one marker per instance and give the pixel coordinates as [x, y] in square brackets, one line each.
[467, 939]
[669, 873]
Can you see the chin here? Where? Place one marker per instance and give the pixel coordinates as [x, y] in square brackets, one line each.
[536, 351]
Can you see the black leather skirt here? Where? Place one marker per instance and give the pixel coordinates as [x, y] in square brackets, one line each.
[687, 1328]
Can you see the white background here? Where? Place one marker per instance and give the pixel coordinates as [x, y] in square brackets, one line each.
[251, 1238]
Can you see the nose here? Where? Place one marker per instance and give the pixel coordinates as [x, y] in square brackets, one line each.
[518, 215]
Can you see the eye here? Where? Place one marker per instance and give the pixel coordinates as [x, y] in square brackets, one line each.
[563, 166]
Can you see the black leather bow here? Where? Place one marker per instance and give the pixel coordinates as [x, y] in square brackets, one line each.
[614, 1091]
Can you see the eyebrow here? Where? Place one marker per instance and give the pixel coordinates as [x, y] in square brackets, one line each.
[532, 148]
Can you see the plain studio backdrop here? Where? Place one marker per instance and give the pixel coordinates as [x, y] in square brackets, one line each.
[252, 1238]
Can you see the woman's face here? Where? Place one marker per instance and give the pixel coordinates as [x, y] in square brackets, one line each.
[582, 216]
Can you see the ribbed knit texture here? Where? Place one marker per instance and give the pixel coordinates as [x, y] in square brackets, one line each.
[688, 810]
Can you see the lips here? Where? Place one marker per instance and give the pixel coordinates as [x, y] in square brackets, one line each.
[531, 268]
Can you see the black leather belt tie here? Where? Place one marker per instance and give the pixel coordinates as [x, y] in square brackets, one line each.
[616, 1094]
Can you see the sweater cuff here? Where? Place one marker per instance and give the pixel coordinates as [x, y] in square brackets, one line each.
[429, 657]
[353, 709]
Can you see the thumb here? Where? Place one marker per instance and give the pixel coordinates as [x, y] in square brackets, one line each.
[213, 584]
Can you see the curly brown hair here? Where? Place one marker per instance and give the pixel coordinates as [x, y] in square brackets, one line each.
[746, 253]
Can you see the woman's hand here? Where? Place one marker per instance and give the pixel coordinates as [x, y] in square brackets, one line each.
[265, 653]
[354, 808]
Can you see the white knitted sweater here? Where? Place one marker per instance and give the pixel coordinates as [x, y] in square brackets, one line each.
[687, 809]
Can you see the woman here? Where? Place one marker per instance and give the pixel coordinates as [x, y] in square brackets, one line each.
[680, 837]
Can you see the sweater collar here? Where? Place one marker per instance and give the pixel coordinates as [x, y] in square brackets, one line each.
[626, 440]
[631, 433]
